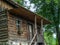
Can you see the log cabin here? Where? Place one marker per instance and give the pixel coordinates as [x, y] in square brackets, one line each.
[19, 26]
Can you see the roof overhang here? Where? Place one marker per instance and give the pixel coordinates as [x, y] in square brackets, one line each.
[28, 15]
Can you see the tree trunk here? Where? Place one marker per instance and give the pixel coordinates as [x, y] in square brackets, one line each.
[58, 34]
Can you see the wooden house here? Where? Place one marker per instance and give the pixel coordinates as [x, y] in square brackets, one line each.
[19, 26]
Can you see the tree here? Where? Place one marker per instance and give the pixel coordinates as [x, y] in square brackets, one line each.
[50, 10]
[21, 2]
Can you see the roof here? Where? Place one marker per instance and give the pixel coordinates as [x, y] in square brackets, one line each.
[26, 14]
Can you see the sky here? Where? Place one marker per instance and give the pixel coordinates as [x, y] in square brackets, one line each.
[32, 5]
[59, 25]
[54, 35]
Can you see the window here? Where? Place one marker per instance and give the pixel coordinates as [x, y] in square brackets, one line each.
[18, 25]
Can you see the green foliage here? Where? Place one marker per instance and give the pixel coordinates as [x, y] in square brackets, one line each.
[21, 2]
[49, 39]
[49, 9]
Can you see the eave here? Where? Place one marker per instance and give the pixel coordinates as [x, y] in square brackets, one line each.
[26, 14]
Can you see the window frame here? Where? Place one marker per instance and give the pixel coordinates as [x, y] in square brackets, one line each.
[18, 25]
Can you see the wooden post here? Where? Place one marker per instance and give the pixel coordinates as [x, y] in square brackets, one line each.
[42, 26]
[42, 31]
[35, 24]
[36, 28]
[35, 31]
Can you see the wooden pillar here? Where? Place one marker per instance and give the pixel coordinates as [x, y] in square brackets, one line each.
[35, 35]
[35, 24]
[35, 29]
[42, 26]
[42, 31]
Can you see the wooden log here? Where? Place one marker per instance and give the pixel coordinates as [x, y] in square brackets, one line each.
[3, 26]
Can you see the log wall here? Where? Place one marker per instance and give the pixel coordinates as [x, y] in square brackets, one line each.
[13, 31]
[3, 26]
[4, 21]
